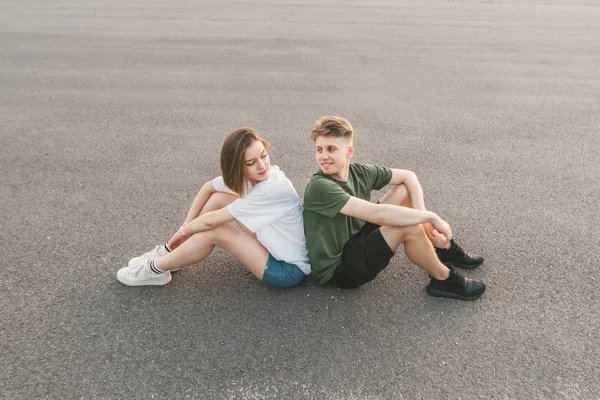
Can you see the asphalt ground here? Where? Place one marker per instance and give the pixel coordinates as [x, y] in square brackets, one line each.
[112, 115]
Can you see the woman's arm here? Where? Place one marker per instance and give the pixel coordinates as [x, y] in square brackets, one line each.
[206, 222]
[200, 200]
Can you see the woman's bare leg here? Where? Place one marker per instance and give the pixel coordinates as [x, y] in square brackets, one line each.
[216, 201]
[244, 248]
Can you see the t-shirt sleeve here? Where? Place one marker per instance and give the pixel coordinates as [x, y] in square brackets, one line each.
[379, 176]
[262, 206]
[325, 197]
[219, 185]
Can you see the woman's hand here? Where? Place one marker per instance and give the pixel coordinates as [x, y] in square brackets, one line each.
[177, 239]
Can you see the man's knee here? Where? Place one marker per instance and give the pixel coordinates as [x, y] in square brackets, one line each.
[401, 188]
[410, 232]
[396, 235]
[397, 196]
[415, 231]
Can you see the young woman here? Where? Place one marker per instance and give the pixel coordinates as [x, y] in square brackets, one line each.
[263, 203]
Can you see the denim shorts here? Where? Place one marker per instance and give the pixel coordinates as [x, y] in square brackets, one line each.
[281, 274]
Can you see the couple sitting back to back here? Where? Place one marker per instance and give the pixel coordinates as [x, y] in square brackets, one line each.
[349, 240]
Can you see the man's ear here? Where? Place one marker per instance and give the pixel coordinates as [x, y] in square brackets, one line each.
[350, 151]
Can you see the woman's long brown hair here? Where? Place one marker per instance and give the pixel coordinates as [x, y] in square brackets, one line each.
[232, 157]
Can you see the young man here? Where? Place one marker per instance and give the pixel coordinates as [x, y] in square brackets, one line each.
[351, 240]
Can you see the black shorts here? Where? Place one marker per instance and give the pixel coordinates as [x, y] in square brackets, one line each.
[364, 256]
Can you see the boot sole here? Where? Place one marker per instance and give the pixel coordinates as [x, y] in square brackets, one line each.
[463, 266]
[450, 295]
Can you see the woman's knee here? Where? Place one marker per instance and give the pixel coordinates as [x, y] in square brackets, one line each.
[218, 200]
[220, 234]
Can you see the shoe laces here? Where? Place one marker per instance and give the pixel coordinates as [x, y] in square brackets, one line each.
[457, 279]
[146, 256]
[456, 249]
[136, 269]
[155, 250]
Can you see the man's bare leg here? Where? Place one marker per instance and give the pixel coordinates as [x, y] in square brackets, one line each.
[399, 196]
[417, 247]
[444, 282]
[456, 256]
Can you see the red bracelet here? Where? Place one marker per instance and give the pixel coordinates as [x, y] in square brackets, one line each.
[181, 232]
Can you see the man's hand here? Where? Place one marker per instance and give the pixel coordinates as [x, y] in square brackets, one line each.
[429, 230]
[436, 238]
[443, 228]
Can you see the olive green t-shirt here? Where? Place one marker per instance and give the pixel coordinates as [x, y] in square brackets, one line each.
[326, 229]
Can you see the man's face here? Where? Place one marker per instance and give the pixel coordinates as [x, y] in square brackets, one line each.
[333, 155]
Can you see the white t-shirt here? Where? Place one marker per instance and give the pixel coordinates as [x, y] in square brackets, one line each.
[272, 210]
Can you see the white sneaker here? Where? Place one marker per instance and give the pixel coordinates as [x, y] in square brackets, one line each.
[140, 275]
[153, 254]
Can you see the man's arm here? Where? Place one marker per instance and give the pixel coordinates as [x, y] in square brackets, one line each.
[415, 193]
[391, 215]
[409, 179]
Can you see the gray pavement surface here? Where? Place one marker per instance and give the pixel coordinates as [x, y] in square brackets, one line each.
[112, 115]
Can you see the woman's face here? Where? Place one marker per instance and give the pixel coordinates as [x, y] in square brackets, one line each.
[256, 163]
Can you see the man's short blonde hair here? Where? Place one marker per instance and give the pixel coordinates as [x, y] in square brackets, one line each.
[329, 125]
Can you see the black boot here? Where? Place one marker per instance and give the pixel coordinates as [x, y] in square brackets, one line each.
[455, 256]
[456, 286]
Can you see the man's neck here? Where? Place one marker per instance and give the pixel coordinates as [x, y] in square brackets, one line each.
[342, 176]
